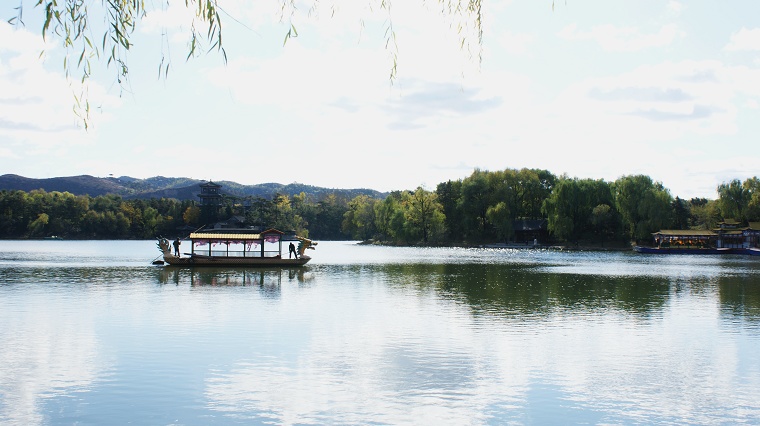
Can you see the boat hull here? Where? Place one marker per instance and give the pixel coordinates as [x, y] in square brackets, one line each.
[674, 250]
[196, 260]
[752, 251]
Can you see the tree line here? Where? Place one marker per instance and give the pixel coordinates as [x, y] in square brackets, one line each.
[40, 214]
[482, 207]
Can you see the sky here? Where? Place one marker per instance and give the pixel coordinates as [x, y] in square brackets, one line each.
[587, 89]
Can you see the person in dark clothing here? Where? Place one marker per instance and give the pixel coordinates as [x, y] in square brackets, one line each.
[176, 246]
[292, 251]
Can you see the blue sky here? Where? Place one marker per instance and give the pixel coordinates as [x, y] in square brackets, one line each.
[591, 89]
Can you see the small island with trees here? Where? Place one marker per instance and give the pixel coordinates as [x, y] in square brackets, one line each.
[510, 207]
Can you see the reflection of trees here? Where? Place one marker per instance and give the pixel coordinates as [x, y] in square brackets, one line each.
[739, 298]
[520, 290]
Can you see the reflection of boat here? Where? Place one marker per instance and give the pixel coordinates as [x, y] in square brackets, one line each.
[240, 249]
[265, 277]
[268, 278]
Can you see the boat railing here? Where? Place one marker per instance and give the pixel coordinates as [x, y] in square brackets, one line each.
[239, 253]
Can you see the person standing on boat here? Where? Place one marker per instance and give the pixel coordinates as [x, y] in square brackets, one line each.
[176, 247]
[292, 251]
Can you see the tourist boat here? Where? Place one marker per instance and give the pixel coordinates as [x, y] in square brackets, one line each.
[228, 248]
[751, 251]
[731, 237]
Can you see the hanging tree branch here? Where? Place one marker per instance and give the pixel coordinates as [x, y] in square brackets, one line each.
[92, 32]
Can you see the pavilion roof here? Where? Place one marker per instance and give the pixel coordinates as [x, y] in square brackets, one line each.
[223, 236]
[239, 236]
[686, 232]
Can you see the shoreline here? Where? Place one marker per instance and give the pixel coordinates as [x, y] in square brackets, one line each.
[513, 246]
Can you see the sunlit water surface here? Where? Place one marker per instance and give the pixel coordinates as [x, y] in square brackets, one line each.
[91, 333]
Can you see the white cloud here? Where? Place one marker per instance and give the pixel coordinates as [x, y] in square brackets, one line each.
[515, 43]
[667, 96]
[676, 7]
[328, 91]
[19, 41]
[744, 40]
[623, 39]
[7, 153]
[36, 104]
[172, 15]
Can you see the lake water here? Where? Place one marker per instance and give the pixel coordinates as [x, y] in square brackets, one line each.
[91, 333]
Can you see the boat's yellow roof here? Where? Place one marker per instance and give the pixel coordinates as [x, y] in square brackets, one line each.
[223, 236]
[239, 237]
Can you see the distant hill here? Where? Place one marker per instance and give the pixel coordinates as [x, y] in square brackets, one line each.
[167, 187]
[74, 184]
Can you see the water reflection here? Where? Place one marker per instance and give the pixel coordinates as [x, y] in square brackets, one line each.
[233, 277]
[431, 345]
[521, 290]
[740, 300]
[46, 352]
[548, 338]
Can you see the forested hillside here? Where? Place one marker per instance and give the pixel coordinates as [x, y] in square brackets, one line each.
[167, 187]
[483, 207]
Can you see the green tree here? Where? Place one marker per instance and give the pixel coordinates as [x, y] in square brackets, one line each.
[507, 194]
[359, 220]
[703, 213]
[535, 186]
[37, 227]
[602, 219]
[106, 203]
[132, 219]
[92, 224]
[570, 208]
[644, 205]
[387, 214]
[192, 215]
[424, 215]
[501, 218]
[122, 225]
[561, 209]
[474, 203]
[733, 199]
[391, 218]
[152, 220]
[752, 211]
[680, 214]
[286, 217]
[523, 191]
[325, 218]
[449, 196]
[14, 213]
[262, 212]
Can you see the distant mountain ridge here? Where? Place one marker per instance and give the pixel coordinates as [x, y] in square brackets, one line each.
[181, 188]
